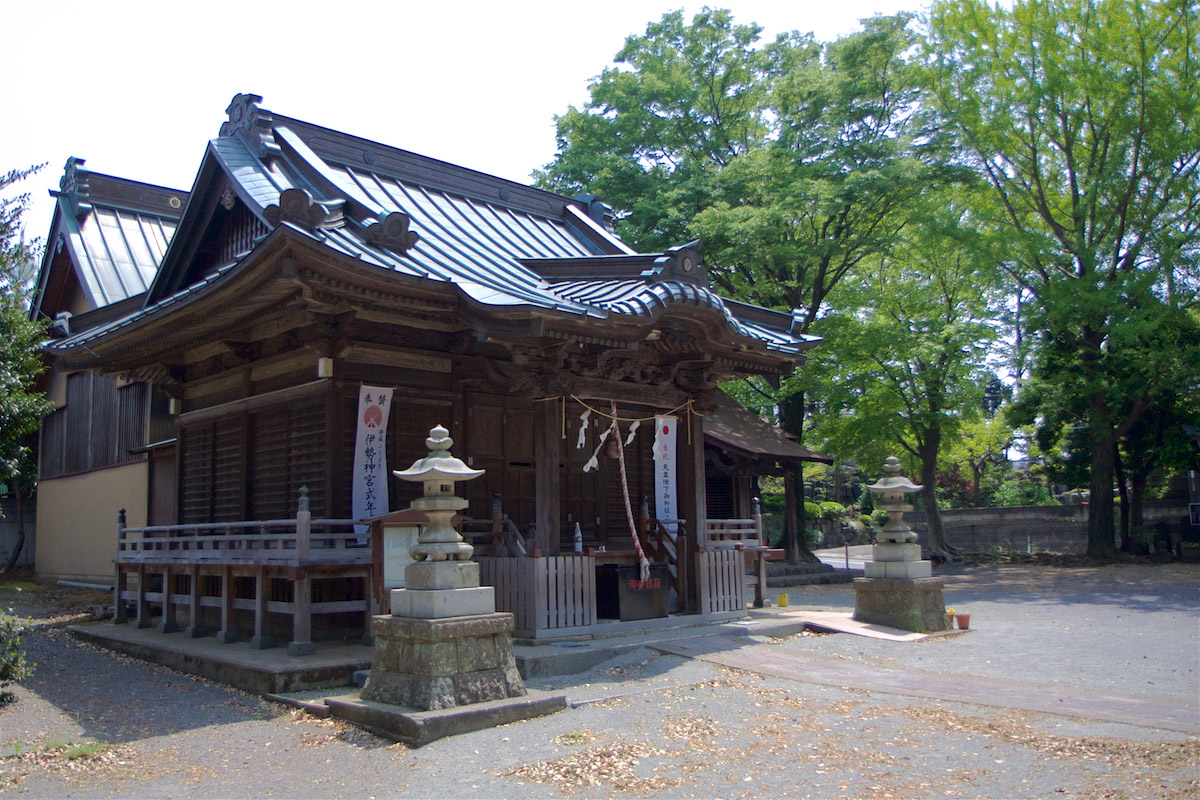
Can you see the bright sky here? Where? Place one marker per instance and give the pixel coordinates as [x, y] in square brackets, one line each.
[136, 88]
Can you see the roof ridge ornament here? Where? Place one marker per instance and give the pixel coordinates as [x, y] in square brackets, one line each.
[75, 187]
[681, 263]
[600, 212]
[298, 207]
[250, 121]
[392, 232]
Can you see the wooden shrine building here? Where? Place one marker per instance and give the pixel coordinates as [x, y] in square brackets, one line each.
[307, 263]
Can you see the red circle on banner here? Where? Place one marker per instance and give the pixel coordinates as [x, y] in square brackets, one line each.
[666, 429]
[372, 417]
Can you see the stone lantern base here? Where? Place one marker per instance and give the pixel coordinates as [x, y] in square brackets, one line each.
[910, 604]
[440, 663]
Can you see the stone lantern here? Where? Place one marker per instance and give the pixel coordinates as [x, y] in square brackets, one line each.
[899, 589]
[444, 646]
[896, 543]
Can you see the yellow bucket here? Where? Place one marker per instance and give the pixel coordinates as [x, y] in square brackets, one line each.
[782, 599]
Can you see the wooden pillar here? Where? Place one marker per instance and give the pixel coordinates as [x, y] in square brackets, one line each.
[760, 560]
[261, 639]
[547, 435]
[193, 629]
[228, 632]
[143, 605]
[301, 613]
[301, 582]
[170, 624]
[692, 503]
[119, 615]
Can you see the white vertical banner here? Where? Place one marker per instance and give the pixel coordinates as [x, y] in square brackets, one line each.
[666, 503]
[370, 497]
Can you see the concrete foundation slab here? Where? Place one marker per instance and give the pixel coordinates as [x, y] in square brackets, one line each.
[418, 728]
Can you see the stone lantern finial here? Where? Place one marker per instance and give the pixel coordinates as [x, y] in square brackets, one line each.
[439, 471]
[893, 486]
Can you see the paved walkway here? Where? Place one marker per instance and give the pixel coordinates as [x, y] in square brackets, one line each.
[1166, 713]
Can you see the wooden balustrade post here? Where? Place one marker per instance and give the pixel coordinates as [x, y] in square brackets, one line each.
[301, 644]
[760, 560]
[120, 615]
[497, 525]
[303, 526]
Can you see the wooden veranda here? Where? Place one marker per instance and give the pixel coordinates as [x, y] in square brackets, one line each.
[301, 578]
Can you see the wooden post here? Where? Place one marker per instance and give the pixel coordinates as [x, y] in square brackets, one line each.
[169, 622]
[301, 644]
[120, 616]
[303, 526]
[228, 632]
[194, 630]
[547, 477]
[692, 504]
[302, 583]
[143, 605]
[261, 640]
[760, 561]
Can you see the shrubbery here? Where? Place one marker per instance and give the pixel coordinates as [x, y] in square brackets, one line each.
[13, 666]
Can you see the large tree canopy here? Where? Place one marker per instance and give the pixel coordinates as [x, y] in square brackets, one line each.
[21, 407]
[910, 347]
[796, 162]
[1083, 117]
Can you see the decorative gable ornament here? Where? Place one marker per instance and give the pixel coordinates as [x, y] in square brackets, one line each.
[391, 233]
[74, 187]
[682, 263]
[252, 123]
[298, 207]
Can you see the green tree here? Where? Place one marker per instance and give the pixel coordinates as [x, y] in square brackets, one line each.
[796, 162]
[912, 342]
[1082, 116]
[685, 101]
[982, 443]
[21, 406]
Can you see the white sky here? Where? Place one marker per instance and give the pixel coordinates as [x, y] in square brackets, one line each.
[136, 88]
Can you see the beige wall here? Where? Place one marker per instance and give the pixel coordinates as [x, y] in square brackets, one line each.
[77, 521]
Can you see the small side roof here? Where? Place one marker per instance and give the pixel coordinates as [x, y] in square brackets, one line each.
[108, 237]
[731, 427]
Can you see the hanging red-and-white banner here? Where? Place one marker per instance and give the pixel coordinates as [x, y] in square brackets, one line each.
[370, 496]
[666, 503]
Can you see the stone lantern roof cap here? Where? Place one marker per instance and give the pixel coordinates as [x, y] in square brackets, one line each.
[892, 480]
[439, 464]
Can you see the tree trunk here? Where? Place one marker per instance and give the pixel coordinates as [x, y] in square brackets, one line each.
[791, 419]
[1123, 493]
[1101, 544]
[939, 551]
[976, 480]
[20, 512]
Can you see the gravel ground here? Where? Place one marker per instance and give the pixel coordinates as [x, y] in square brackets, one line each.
[92, 724]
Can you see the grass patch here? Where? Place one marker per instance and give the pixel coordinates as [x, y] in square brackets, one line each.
[20, 586]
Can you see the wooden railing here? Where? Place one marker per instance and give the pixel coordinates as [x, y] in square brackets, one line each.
[293, 550]
[747, 536]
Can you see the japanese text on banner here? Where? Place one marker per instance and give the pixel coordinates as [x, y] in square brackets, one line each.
[370, 497]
